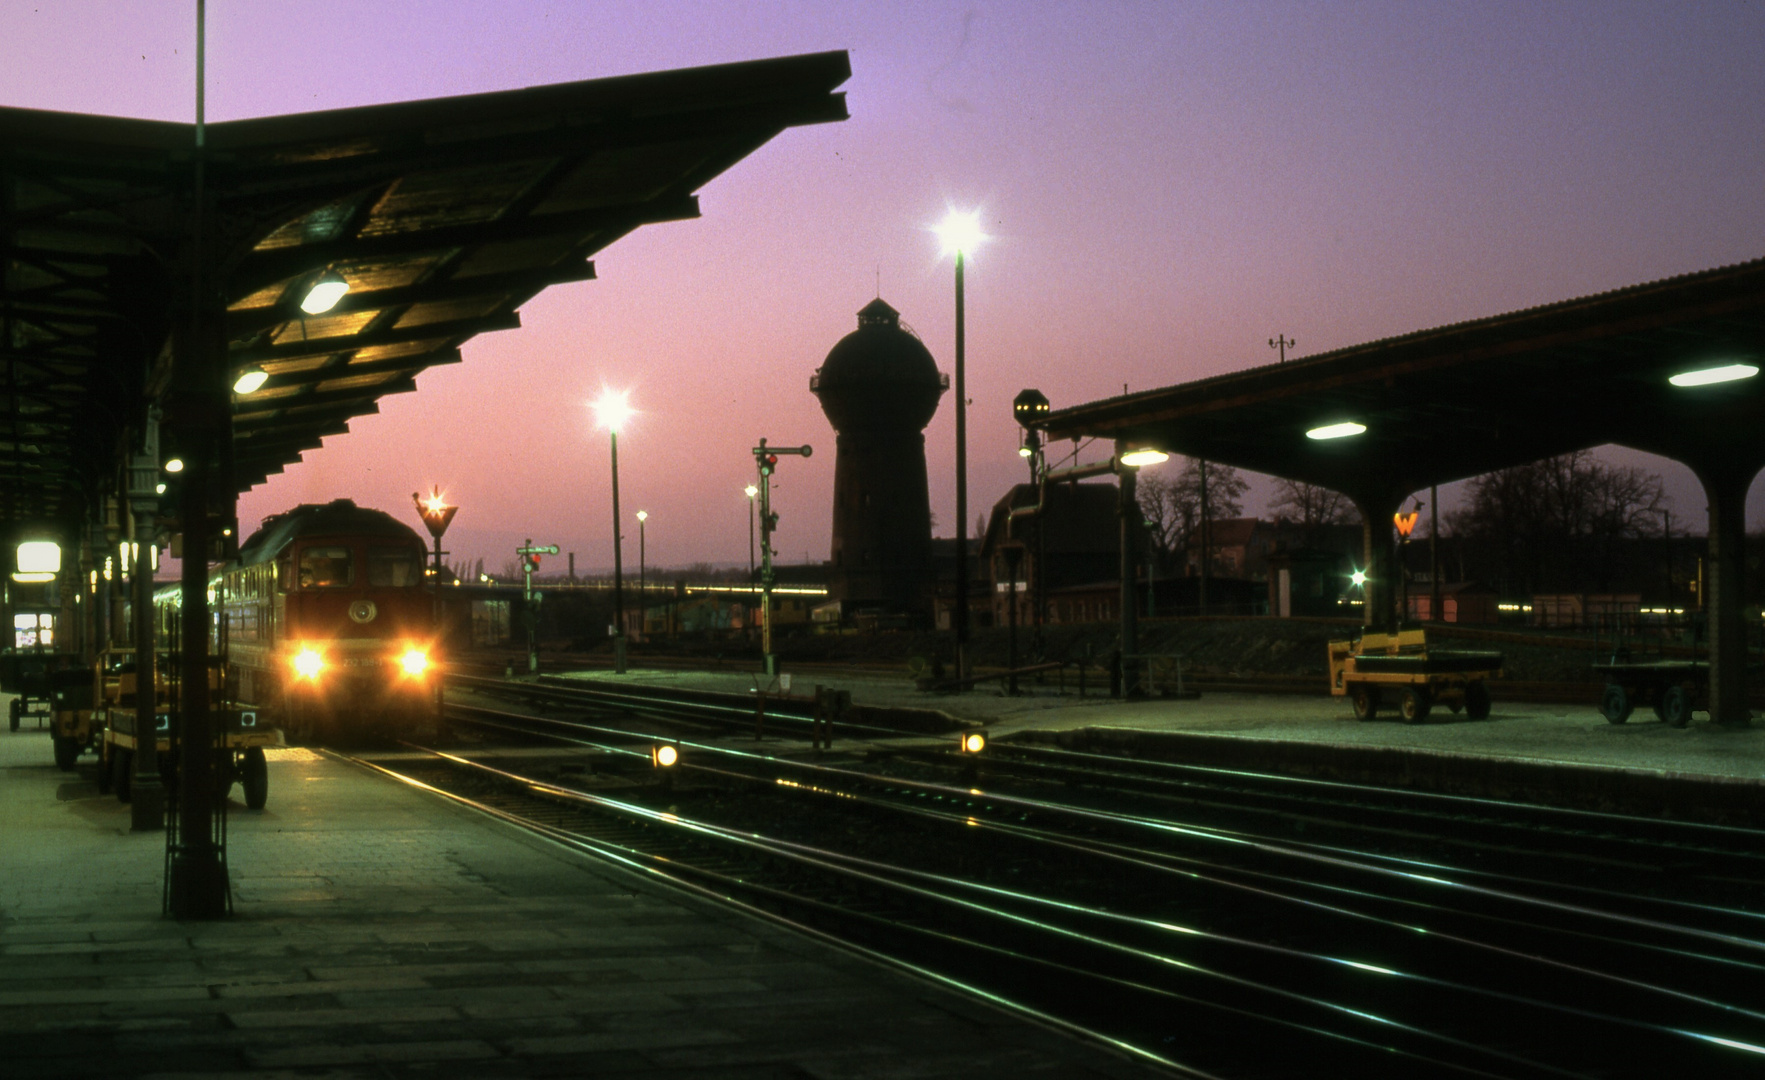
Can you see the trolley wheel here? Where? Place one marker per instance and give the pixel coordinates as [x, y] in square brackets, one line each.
[1366, 702]
[1676, 706]
[120, 766]
[1477, 701]
[14, 711]
[1415, 704]
[67, 751]
[255, 778]
[1616, 703]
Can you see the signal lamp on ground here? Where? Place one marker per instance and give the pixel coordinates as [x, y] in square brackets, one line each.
[664, 755]
[973, 742]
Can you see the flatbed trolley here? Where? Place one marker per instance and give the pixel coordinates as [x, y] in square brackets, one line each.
[241, 745]
[27, 674]
[1378, 668]
[1673, 687]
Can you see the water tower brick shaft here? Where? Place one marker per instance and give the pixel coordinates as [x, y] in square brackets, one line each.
[879, 388]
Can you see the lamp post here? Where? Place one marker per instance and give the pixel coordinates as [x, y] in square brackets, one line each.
[611, 410]
[959, 234]
[643, 592]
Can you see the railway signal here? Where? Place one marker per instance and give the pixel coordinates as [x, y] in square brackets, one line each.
[530, 606]
[765, 460]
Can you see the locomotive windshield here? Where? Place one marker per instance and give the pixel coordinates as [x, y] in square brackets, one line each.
[326, 568]
[394, 566]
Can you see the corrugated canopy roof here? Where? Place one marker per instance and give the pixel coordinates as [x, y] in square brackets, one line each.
[445, 216]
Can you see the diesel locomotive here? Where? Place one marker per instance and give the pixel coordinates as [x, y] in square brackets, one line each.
[327, 625]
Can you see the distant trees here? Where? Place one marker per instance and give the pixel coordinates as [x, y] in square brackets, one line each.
[1171, 504]
[1311, 507]
[1563, 524]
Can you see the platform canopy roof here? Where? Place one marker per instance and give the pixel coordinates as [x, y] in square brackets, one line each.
[444, 216]
[1449, 403]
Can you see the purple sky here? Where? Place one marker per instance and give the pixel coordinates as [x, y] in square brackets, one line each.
[1169, 184]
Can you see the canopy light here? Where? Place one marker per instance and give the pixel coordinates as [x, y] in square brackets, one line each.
[612, 409]
[960, 233]
[1706, 376]
[325, 293]
[39, 557]
[250, 379]
[175, 465]
[1137, 458]
[1336, 431]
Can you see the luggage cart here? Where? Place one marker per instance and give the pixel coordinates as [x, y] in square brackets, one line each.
[1378, 668]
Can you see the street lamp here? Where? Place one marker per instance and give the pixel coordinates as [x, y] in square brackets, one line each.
[611, 410]
[750, 491]
[960, 234]
[437, 515]
[643, 592]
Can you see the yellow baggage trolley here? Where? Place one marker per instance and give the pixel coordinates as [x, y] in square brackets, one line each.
[1399, 668]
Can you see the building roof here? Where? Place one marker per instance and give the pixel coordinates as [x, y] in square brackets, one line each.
[1457, 401]
[445, 216]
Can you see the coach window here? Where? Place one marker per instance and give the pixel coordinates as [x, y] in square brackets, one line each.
[393, 566]
[326, 568]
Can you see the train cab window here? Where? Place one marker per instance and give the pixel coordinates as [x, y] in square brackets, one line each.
[326, 568]
[394, 566]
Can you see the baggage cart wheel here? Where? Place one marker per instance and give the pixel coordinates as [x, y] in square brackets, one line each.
[67, 751]
[120, 766]
[1415, 704]
[1366, 702]
[1477, 701]
[255, 778]
[1616, 704]
[1676, 706]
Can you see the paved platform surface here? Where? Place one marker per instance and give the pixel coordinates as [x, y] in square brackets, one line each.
[1516, 731]
[380, 932]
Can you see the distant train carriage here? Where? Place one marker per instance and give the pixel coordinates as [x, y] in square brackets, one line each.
[327, 624]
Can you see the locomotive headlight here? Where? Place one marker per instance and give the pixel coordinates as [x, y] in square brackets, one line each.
[308, 662]
[414, 661]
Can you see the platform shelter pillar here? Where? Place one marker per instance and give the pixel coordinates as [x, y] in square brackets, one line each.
[1379, 591]
[1725, 486]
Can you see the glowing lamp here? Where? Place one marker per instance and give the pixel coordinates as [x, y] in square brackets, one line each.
[325, 293]
[960, 233]
[1359, 577]
[664, 755]
[1336, 431]
[414, 661]
[250, 379]
[175, 465]
[39, 557]
[1708, 376]
[308, 663]
[1137, 458]
[973, 742]
[612, 409]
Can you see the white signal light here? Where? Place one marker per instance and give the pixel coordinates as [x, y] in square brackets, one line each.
[974, 742]
[664, 755]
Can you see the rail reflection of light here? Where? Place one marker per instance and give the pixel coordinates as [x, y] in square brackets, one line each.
[1330, 856]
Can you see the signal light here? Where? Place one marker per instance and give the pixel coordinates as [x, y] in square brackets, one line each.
[664, 755]
[973, 742]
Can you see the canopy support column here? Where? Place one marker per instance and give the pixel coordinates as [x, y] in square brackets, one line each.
[1725, 485]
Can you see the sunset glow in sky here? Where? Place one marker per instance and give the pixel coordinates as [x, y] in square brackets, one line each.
[1166, 185]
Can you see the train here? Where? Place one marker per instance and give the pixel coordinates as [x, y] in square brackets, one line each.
[327, 625]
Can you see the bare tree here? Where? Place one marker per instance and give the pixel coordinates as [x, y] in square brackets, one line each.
[1312, 507]
[1171, 502]
[1565, 523]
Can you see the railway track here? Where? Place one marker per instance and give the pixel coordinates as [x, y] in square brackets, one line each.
[1213, 920]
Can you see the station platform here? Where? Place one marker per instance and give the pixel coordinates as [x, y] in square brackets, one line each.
[380, 931]
[1557, 753]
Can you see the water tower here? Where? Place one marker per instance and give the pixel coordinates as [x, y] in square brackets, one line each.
[879, 388]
